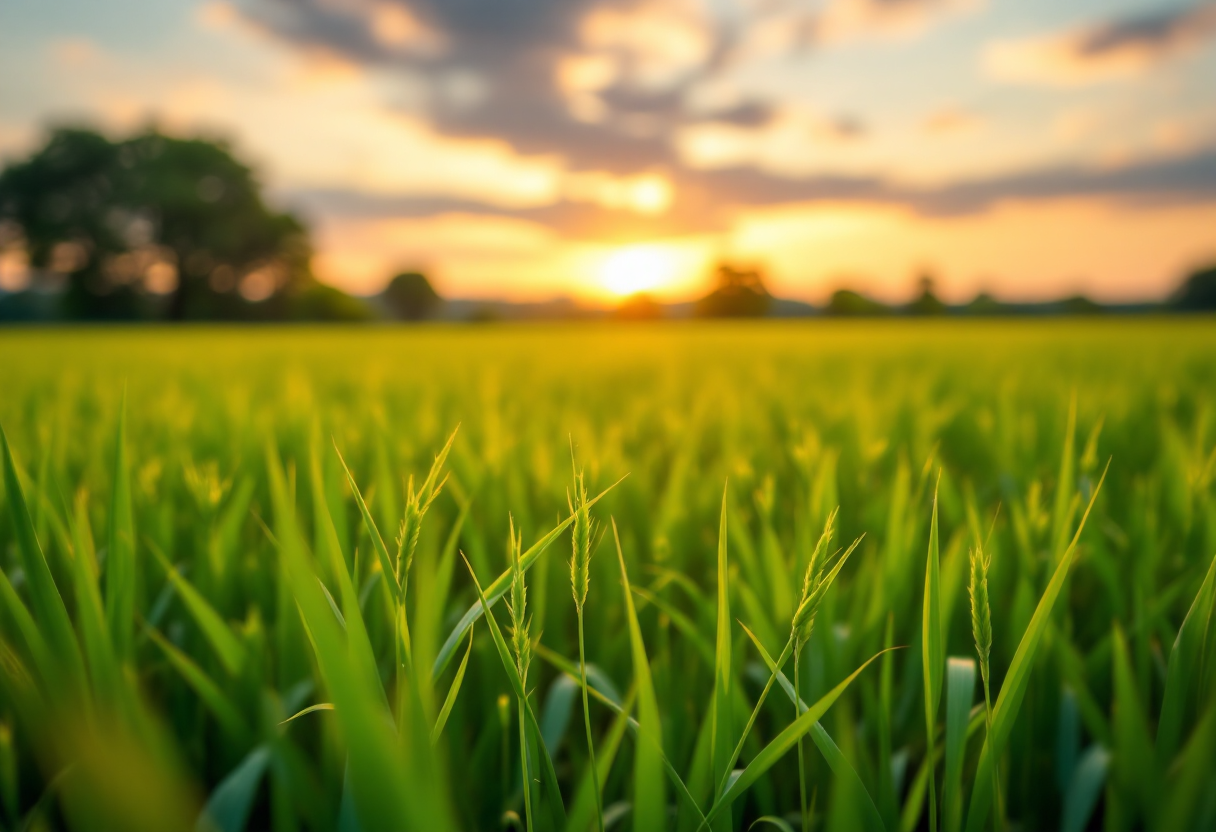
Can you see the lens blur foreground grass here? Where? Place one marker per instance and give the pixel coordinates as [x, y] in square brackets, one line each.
[225, 604]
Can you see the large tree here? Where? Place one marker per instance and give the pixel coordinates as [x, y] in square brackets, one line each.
[740, 293]
[151, 213]
[410, 297]
[1198, 292]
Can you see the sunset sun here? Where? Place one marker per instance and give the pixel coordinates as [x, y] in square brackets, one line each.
[638, 269]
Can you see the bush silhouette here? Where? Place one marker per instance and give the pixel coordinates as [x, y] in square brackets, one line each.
[846, 302]
[740, 293]
[1198, 291]
[410, 297]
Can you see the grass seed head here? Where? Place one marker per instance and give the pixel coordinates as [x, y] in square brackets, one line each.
[814, 569]
[417, 501]
[580, 560]
[981, 613]
[517, 605]
[816, 583]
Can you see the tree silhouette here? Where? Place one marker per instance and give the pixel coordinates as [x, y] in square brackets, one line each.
[928, 303]
[847, 303]
[740, 293]
[1198, 291]
[410, 297]
[151, 214]
[639, 307]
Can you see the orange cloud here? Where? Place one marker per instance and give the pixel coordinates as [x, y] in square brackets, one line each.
[951, 120]
[1102, 52]
[851, 19]
[75, 53]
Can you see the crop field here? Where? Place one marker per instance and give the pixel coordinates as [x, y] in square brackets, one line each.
[834, 576]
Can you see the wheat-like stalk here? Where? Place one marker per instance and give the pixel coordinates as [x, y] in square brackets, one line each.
[580, 583]
[580, 560]
[981, 630]
[981, 613]
[517, 606]
[521, 646]
[416, 504]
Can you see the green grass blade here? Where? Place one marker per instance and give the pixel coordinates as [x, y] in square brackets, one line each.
[453, 693]
[960, 691]
[1191, 786]
[1181, 675]
[382, 555]
[1017, 678]
[914, 797]
[784, 741]
[361, 654]
[687, 627]
[886, 781]
[103, 665]
[446, 566]
[208, 691]
[1084, 789]
[583, 809]
[558, 711]
[391, 791]
[311, 709]
[40, 651]
[649, 803]
[771, 820]
[231, 802]
[49, 611]
[932, 652]
[1062, 511]
[774, 672]
[499, 587]
[120, 557]
[430, 486]
[217, 632]
[603, 695]
[720, 743]
[556, 807]
[1133, 752]
[831, 752]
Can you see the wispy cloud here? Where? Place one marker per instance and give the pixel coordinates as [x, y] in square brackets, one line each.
[1103, 51]
[711, 200]
[846, 19]
[951, 120]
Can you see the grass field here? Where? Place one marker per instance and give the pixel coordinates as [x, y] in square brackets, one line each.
[184, 572]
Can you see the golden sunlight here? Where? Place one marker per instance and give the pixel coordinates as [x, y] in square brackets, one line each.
[639, 268]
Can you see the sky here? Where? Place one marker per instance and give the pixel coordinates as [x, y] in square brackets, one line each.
[526, 149]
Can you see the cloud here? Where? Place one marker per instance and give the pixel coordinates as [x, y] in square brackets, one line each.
[633, 121]
[951, 120]
[1104, 51]
[849, 19]
[597, 85]
[75, 53]
[712, 200]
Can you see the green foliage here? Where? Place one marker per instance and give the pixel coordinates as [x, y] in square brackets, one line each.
[1198, 292]
[209, 619]
[409, 296]
[157, 226]
[738, 293]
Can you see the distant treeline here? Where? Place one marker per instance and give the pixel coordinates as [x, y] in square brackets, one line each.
[157, 228]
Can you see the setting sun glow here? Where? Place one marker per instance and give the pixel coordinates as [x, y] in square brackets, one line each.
[638, 269]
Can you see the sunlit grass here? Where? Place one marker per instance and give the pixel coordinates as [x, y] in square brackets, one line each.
[258, 573]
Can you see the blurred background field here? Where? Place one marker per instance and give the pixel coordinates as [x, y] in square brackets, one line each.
[229, 467]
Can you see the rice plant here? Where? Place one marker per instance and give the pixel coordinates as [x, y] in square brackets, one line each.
[256, 579]
[580, 585]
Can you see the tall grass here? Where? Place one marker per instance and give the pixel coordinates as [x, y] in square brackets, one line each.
[251, 580]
